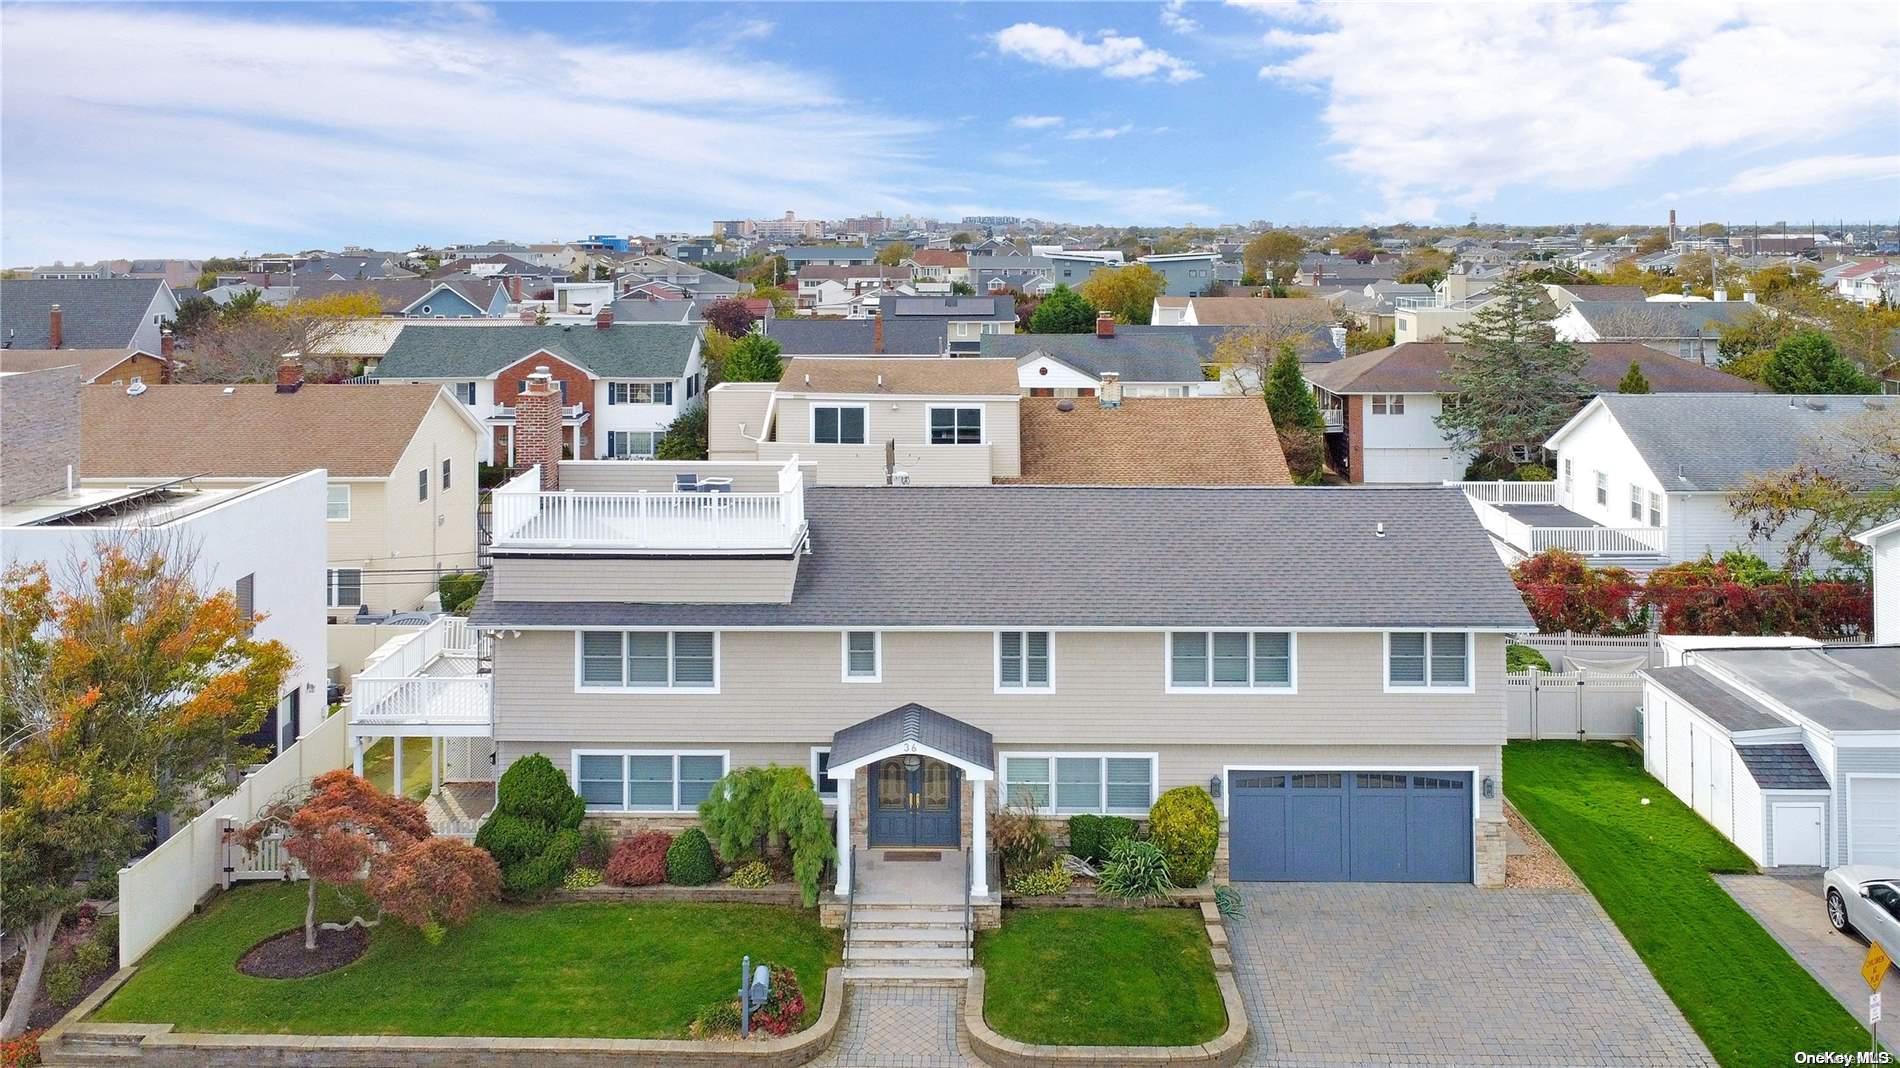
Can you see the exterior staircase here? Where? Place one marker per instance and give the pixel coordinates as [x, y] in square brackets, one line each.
[907, 945]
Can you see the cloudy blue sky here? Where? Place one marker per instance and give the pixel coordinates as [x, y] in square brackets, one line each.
[207, 128]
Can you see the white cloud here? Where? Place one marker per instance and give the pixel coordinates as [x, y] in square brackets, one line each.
[1098, 133]
[1578, 97]
[1035, 122]
[1814, 170]
[1175, 17]
[1111, 53]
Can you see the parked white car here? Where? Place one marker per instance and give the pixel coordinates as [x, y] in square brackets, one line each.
[1866, 898]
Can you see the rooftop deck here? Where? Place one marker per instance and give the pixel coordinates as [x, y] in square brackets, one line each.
[705, 521]
[1525, 519]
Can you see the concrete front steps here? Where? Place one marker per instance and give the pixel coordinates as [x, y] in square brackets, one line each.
[907, 945]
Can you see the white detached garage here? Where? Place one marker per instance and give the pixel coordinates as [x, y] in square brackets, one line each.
[1793, 753]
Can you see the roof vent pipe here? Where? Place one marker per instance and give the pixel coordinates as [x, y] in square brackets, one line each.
[1379, 531]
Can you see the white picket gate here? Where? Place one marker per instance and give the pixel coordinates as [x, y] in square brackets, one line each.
[264, 859]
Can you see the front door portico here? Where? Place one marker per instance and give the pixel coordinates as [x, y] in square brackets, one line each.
[915, 761]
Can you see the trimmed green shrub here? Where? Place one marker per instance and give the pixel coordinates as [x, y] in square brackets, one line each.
[1054, 879]
[1523, 658]
[753, 876]
[1135, 870]
[62, 982]
[93, 957]
[533, 833]
[512, 839]
[459, 592]
[689, 860]
[581, 879]
[761, 809]
[1091, 837]
[1185, 826]
[534, 788]
[540, 874]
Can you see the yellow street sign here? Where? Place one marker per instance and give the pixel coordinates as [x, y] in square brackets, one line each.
[1874, 968]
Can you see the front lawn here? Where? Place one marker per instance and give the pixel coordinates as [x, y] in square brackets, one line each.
[605, 970]
[1101, 977]
[1649, 866]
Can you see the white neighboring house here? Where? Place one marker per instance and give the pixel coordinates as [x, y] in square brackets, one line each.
[1884, 541]
[1690, 329]
[263, 540]
[1792, 752]
[1869, 283]
[1646, 477]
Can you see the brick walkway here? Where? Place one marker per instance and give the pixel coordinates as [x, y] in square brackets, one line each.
[899, 1027]
[1392, 975]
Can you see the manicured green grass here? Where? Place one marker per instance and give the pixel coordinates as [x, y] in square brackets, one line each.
[596, 970]
[1101, 977]
[1649, 866]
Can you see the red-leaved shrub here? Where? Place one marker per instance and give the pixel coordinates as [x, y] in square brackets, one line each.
[639, 860]
[784, 1004]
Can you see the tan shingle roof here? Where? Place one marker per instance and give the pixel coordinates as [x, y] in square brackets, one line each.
[901, 376]
[1420, 366]
[1256, 311]
[940, 257]
[1152, 441]
[91, 362]
[251, 431]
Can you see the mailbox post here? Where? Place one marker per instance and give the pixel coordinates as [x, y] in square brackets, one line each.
[755, 985]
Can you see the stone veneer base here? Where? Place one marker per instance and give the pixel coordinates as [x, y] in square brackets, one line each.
[74, 1042]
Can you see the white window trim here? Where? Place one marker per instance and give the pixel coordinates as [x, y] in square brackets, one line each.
[574, 772]
[349, 501]
[331, 585]
[1103, 756]
[877, 656]
[996, 662]
[811, 413]
[983, 415]
[811, 766]
[671, 662]
[1471, 651]
[1292, 668]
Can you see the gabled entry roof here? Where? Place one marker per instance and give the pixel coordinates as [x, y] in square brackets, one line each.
[912, 728]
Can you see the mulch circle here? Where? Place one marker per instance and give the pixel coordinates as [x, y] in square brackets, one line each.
[282, 956]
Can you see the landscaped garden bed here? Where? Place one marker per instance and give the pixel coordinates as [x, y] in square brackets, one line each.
[606, 970]
[1101, 977]
[1647, 858]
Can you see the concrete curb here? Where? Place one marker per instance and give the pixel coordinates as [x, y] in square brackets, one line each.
[72, 1042]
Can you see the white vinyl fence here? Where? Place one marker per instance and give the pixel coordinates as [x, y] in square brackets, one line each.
[161, 889]
[1569, 652]
[1577, 705]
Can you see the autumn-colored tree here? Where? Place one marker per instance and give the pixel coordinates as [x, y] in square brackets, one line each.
[436, 884]
[124, 692]
[783, 303]
[1274, 248]
[730, 317]
[1128, 293]
[894, 254]
[1563, 592]
[1424, 265]
[1842, 482]
[250, 336]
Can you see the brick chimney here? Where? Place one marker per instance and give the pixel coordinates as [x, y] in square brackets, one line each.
[1104, 324]
[877, 334]
[527, 315]
[290, 373]
[55, 327]
[514, 288]
[167, 345]
[538, 427]
[604, 319]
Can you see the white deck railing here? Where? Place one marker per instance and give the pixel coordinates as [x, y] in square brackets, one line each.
[429, 680]
[1582, 540]
[1509, 492]
[525, 517]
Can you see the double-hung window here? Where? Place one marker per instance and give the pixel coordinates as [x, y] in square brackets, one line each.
[630, 444]
[827, 786]
[422, 484]
[1230, 660]
[1636, 502]
[1603, 490]
[649, 660]
[1570, 473]
[336, 505]
[646, 781]
[837, 424]
[863, 658]
[343, 587]
[465, 392]
[1023, 661]
[445, 475]
[1388, 404]
[1418, 659]
[1655, 510]
[956, 426]
[639, 393]
[1079, 782]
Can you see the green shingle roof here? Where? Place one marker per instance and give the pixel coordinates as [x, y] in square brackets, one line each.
[644, 350]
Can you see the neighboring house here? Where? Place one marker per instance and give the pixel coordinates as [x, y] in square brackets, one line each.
[1028, 283]
[275, 296]
[1150, 441]
[400, 460]
[1163, 362]
[1188, 274]
[1645, 478]
[824, 290]
[1594, 260]
[934, 652]
[939, 265]
[876, 422]
[967, 320]
[865, 336]
[800, 257]
[1381, 406]
[118, 367]
[1072, 267]
[1322, 271]
[1689, 329]
[1030, 274]
[1793, 753]
[353, 265]
[1564, 295]
[262, 539]
[1870, 283]
[99, 313]
[621, 385]
[419, 298]
[1376, 304]
[1883, 543]
[1242, 312]
[62, 272]
[179, 274]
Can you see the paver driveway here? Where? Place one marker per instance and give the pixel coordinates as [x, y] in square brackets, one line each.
[1405, 974]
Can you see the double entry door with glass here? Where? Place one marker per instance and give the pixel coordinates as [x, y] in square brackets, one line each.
[915, 801]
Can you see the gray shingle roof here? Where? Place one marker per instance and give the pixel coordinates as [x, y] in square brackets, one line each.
[854, 337]
[1165, 355]
[1010, 556]
[838, 253]
[998, 309]
[914, 723]
[95, 313]
[644, 350]
[1711, 442]
[1782, 767]
[1662, 318]
[1729, 707]
[1316, 346]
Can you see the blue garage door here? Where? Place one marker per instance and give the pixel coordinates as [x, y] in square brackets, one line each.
[1350, 826]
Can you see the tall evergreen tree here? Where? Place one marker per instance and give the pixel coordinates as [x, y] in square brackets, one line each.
[1063, 311]
[1808, 361]
[1289, 398]
[1514, 382]
[1633, 380]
